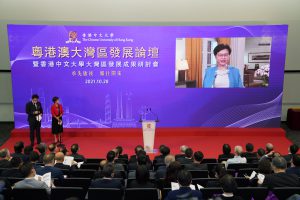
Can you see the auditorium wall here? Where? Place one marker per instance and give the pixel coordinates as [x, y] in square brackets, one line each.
[155, 12]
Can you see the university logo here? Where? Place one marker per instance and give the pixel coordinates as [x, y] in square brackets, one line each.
[148, 125]
[73, 37]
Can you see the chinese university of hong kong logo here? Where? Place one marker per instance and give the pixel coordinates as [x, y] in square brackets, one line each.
[73, 37]
[149, 126]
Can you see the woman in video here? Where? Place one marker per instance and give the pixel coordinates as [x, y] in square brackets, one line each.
[222, 75]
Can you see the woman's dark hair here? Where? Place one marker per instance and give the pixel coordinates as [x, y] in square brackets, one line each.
[184, 178]
[142, 174]
[18, 147]
[34, 156]
[294, 149]
[165, 151]
[26, 169]
[28, 149]
[219, 170]
[120, 149]
[221, 47]
[138, 148]
[16, 162]
[249, 147]
[198, 156]
[226, 149]
[261, 152]
[264, 166]
[228, 183]
[74, 148]
[54, 99]
[35, 96]
[172, 171]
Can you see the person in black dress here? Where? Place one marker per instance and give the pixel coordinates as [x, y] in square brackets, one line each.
[57, 123]
[34, 111]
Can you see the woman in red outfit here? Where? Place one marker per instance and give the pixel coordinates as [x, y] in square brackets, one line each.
[57, 124]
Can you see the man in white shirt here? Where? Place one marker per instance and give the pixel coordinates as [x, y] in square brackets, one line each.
[237, 158]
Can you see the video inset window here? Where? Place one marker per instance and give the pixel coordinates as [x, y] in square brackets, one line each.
[236, 62]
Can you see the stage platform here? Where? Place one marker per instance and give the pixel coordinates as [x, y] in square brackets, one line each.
[94, 143]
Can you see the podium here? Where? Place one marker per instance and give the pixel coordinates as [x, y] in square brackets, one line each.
[149, 127]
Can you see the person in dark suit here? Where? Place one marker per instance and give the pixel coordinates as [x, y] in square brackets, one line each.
[18, 148]
[185, 192]
[5, 158]
[280, 178]
[107, 181]
[182, 152]
[229, 187]
[295, 168]
[59, 159]
[196, 165]
[34, 159]
[226, 153]
[188, 159]
[42, 147]
[142, 159]
[133, 158]
[161, 171]
[164, 151]
[16, 162]
[75, 154]
[293, 149]
[218, 172]
[142, 178]
[249, 151]
[33, 110]
[171, 174]
[49, 167]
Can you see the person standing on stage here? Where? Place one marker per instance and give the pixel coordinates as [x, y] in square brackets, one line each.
[34, 111]
[57, 123]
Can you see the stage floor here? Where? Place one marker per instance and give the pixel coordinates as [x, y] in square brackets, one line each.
[94, 143]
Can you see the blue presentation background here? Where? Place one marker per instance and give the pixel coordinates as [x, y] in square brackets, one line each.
[138, 88]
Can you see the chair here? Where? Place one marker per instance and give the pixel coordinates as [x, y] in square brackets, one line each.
[211, 192]
[247, 171]
[94, 160]
[199, 173]
[157, 165]
[231, 172]
[77, 182]
[209, 160]
[247, 193]
[242, 182]
[66, 172]
[238, 166]
[93, 166]
[105, 193]
[285, 192]
[83, 173]
[252, 160]
[121, 161]
[164, 192]
[29, 193]
[141, 193]
[202, 181]
[13, 180]
[120, 174]
[62, 193]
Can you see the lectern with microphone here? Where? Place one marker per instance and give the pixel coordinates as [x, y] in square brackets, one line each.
[149, 121]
